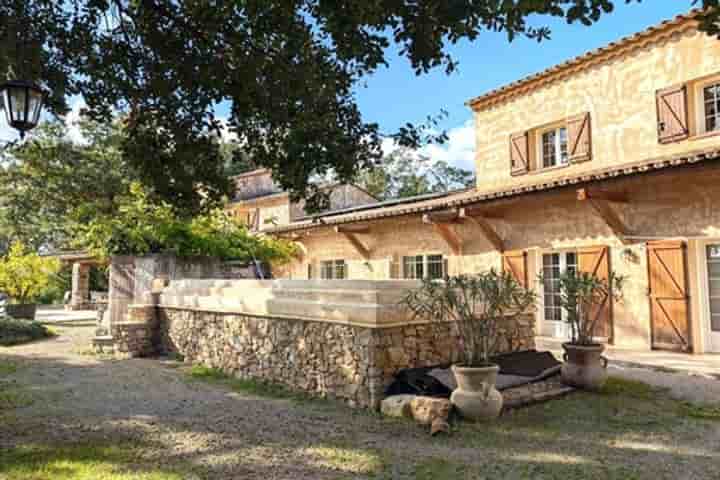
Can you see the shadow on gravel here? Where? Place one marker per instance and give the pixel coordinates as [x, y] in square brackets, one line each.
[167, 421]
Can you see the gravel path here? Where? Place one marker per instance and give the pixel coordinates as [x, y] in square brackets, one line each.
[81, 397]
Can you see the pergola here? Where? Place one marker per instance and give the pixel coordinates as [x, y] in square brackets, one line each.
[81, 262]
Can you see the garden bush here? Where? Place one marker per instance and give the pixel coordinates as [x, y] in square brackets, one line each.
[14, 332]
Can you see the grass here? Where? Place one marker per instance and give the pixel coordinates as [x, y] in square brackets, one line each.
[348, 459]
[248, 386]
[11, 396]
[16, 332]
[79, 462]
[701, 412]
[7, 368]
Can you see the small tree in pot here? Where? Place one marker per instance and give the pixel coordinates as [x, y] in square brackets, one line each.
[583, 297]
[23, 277]
[470, 309]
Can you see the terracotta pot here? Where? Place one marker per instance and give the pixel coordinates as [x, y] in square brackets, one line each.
[476, 397]
[25, 311]
[584, 366]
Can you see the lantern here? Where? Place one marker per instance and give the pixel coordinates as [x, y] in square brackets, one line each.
[23, 103]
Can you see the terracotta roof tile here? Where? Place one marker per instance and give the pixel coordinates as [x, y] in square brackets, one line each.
[568, 67]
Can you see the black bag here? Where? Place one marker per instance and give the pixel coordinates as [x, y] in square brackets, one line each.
[416, 381]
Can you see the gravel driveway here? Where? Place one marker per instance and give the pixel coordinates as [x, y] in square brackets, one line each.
[80, 397]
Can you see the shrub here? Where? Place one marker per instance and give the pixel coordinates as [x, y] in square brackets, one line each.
[142, 226]
[475, 304]
[581, 295]
[25, 275]
[14, 332]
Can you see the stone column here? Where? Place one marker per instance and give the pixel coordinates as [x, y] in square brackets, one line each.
[80, 286]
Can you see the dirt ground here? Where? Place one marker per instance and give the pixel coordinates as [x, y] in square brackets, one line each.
[67, 396]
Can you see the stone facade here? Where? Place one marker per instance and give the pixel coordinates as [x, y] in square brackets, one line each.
[261, 204]
[351, 363]
[618, 90]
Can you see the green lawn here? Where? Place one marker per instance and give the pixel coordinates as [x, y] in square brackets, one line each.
[628, 431]
[80, 462]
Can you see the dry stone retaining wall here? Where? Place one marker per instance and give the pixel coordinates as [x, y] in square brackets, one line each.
[351, 363]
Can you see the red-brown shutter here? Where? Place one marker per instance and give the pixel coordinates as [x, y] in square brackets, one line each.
[579, 138]
[596, 261]
[669, 299]
[515, 262]
[672, 114]
[519, 153]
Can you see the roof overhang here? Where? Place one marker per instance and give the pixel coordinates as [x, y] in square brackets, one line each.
[475, 198]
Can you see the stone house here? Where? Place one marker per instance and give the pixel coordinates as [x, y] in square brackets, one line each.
[606, 162]
[262, 204]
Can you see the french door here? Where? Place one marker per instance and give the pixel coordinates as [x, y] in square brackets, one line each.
[555, 318]
[712, 261]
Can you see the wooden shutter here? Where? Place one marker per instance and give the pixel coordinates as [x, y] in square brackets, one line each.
[667, 282]
[515, 262]
[596, 261]
[519, 161]
[672, 114]
[579, 138]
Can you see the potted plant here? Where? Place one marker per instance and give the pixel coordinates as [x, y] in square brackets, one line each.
[470, 309]
[23, 277]
[582, 297]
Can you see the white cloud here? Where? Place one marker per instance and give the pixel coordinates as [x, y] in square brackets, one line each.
[458, 150]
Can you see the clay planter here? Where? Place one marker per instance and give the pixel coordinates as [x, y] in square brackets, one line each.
[25, 311]
[584, 366]
[476, 397]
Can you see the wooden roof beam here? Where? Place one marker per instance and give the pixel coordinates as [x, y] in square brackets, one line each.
[597, 194]
[352, 229]
[486, 228]
[602, 208]
[479, 211]
[442, 222]
[442, 216]
[448, 233]
[350, 233]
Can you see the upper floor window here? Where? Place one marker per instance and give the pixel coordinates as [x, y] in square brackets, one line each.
[424, 266]
[555, 147]
[711, 99]
[566, 141]
[333, 270]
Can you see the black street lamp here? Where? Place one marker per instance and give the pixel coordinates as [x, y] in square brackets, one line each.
[23, 102]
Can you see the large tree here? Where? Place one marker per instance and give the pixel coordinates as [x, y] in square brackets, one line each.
[404, 173]
[285, 69]
[50, 185]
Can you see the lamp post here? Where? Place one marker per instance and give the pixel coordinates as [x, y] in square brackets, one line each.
[23, 102]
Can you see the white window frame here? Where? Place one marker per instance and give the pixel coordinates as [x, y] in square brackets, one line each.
[560, 328]
[700, 118]
[557, 160]
[710, 340]
[425, 259]
[333, 266]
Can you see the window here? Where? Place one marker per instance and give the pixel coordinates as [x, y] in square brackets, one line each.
[554, 147]
[333, 270]
[713, 268]
[711, 107]
[554, 265]
[424, 266]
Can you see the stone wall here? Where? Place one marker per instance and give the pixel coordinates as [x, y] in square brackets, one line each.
[347, 362]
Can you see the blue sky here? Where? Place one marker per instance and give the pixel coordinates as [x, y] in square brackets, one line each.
[394, 95]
